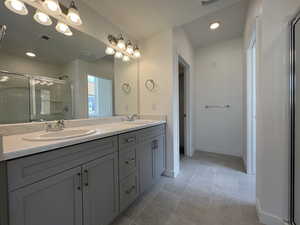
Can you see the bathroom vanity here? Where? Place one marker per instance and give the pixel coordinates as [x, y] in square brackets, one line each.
[88, 183]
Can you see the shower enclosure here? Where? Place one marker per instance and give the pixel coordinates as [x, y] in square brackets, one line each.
[26, 98]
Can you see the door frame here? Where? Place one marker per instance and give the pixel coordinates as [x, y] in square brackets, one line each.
[251, 106]
[187, 106]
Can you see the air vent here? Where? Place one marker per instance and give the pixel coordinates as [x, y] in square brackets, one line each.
[45, 37]
[208, 2]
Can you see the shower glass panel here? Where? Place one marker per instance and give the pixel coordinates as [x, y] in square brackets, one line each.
[51, 99]
[14, 98]
[26, 98]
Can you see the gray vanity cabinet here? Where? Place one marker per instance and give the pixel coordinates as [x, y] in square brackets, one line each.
[159, 148]
[151, 156]
[55, 200]
[100, 190]
[85, 184]
[146, 156]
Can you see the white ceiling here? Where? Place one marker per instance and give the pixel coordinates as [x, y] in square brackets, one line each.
[142, 18]
[232, 20]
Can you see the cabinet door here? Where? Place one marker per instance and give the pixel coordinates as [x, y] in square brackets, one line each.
[100, 190]
[55, 200]
[146, 157]
[160, 155]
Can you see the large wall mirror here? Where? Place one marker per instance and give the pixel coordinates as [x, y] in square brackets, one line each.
[295, 121]
[66, 77]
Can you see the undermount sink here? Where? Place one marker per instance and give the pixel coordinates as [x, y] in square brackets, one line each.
[59, 135]
[138, 122]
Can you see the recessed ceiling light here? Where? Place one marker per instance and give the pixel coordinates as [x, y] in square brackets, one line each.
[214, 25]
[30, 54]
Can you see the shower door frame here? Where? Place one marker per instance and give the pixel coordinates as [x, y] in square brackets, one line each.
[293, 24]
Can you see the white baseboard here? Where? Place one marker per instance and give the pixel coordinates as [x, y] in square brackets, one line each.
[268, 218]
[170, 173]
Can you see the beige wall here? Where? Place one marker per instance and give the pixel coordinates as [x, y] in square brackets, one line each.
[219, 75]
[184, 49]
[126, 72]
[160, 63]
[273, 116]
[157, 64]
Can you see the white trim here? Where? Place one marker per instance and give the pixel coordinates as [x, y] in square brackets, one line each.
[250, 163]
[171, 173]
[188, 107]
[268, 218]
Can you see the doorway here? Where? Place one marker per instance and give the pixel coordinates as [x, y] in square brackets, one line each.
[251, 107]
[182, 109]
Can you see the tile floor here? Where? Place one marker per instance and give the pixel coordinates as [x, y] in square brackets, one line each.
[211, 189]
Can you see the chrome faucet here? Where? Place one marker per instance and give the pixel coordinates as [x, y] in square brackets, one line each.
[59, 125]
[132, 117]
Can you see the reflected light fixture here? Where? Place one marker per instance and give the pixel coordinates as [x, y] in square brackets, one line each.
[52, 6]
[126, 58]
[129, 48]
[118, 55]
[31, 54]
[4, 78]
[42, 18]
[137, 53]
[214, 25]
[109, 50]
[73, 15]
[16, 6]
[121, 43]
[119, 49]
[63, 28]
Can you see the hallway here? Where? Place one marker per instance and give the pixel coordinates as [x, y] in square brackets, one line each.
[210, 190]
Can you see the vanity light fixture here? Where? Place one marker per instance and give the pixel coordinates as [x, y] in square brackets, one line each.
[31, 54]
[119, 49]
[42, 18]
[52, 6]
[126, 58]
[118, 55]
[73, 15]
[4, 78]
[16, 6]
[214, 25]
[109, 50]
[63, 28]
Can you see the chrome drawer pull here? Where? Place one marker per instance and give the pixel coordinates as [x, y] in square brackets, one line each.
[129, 140]
[79, 181]
[86, 172]
[131, 160]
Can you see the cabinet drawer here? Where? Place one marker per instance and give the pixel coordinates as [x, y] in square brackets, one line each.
[127, 140]
[148, 133]
[128, 191]
[33, 168]
[127, 162]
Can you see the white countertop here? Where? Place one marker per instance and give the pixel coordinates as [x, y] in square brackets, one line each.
[15, 146]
